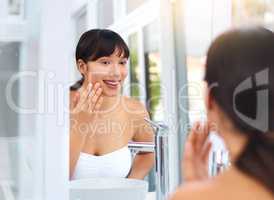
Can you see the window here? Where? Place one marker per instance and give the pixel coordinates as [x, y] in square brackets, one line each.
[9, 120]
[196, 90]
[153, 71]
[145, 74]
[134, 66]
[9, 64]
[197, 43]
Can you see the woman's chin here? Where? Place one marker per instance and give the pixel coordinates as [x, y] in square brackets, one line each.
[111, 93]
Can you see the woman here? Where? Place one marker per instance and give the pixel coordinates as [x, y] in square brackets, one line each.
[240, 102]
[102, 120]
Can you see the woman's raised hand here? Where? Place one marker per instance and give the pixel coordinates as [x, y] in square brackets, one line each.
[83, 109]
[196, 154]
[87, 100]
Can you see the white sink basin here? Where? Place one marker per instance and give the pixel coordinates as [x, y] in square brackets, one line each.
[108, 189]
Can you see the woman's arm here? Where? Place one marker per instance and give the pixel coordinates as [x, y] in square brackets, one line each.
[143, 161]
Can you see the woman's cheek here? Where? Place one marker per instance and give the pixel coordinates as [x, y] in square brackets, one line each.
[96, 76]
[124, 73]
[91, 78]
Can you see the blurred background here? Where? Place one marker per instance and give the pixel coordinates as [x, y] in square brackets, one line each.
[168, 40]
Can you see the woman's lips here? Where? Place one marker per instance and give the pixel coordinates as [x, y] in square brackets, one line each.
[112, 84]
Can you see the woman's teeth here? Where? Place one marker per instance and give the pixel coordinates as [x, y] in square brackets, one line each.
[112, 83]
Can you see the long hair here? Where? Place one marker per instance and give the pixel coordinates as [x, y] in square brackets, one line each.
[246, 56]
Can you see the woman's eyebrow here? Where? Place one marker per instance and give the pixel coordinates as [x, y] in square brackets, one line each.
[104, 57]
[123, 59]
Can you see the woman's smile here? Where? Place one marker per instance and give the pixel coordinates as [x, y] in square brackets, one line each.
[112, 84]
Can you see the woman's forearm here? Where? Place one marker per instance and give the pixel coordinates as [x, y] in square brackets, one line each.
[142, 164]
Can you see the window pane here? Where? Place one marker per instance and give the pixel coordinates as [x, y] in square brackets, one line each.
[105, 13]
[9, 119]
[196, 87]
[9, 64]
[133, 4]
[134, 66]
[152, 76]
[197, 43]
[153, 71]
[15, 7]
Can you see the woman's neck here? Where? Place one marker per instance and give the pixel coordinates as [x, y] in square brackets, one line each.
[110, 103]
[235, 142]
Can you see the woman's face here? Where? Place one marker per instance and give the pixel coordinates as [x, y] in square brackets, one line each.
[109, 71]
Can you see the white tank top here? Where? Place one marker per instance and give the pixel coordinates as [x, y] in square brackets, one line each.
[114, 164]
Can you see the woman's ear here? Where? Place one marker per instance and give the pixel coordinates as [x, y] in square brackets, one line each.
[82, 66]
[209, 100]
[213, 112]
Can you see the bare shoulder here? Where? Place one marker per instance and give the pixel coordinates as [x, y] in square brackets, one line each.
[195, 191]
[231, 184]
[134, 107]
[137, 112]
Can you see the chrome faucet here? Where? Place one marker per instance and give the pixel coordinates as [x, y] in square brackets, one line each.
[160, 147]
[219, 161]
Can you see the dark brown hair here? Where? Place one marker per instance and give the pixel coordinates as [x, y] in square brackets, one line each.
[243, 55]
[97, 43]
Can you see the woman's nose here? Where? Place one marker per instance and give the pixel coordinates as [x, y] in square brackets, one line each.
[115, 71]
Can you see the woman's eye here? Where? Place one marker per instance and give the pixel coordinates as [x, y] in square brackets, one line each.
[123, 63]
[105, 62]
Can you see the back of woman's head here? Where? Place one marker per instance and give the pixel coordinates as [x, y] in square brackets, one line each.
[97, 43]
[241, 63]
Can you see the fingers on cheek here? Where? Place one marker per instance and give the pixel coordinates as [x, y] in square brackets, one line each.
[96, 87]
[94, 99]
[99, 91]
